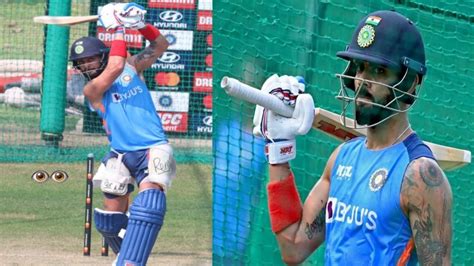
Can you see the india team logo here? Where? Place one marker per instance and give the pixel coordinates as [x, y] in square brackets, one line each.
[366, 36]
[378, 178]
[126, 79]
[79, 49]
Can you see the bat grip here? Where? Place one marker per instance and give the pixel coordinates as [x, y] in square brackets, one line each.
[250, 94]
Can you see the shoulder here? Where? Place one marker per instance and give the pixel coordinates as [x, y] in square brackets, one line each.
[424, 181]
[425, 171]
[330, 163]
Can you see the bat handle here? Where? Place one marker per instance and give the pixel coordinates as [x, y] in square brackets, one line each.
[250, 94]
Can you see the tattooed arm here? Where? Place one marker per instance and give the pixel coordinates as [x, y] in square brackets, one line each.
[300, 239]
[148, 56]
[427, 199]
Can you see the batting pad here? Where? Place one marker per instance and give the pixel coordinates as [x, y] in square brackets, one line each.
[109, 224]
[146, 217]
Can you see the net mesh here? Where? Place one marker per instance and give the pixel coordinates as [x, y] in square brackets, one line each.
[302, 38]
[46, 120]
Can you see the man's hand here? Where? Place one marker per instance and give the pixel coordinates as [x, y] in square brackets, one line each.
[131, 15]
[108, 15]
[279, 131]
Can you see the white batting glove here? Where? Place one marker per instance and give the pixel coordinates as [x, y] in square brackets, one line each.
[280, 132]
[131, 15]
[108, 16]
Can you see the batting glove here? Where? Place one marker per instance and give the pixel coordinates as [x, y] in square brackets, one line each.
[279, 131]
[108, 16]
[131, 15]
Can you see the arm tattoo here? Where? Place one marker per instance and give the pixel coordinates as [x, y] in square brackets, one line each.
[317, 226]
[431, 175]
[430, 251]
[429, 204]
[146, 54]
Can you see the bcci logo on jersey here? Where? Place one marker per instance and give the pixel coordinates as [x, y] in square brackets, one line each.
[338, 211]
[125, 79]
[378, 179]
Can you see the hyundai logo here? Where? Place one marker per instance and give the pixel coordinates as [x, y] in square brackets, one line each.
[171, 16]
[169, 57]
[207, 120]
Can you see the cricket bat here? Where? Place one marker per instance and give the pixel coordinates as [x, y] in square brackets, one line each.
[65, 20]
[448, 158]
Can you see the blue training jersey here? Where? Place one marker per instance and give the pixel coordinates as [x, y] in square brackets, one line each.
[129, 115]
[365, 224]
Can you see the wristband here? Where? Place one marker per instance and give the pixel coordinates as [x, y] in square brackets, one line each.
[284, 203]
[120, 29]
[149, 32]
[280, 151]
[118, 48]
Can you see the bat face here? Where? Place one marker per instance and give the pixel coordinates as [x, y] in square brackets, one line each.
[330, 124]
[333, 130]
[64, 20]
[448, 158]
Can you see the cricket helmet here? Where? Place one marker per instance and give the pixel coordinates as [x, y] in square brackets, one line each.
[88, 47]
[387, 38]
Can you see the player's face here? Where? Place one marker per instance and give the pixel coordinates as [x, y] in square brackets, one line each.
[369, 93]
[89, 66]
[88, 63]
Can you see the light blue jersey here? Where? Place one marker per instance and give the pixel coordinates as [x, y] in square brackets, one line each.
[129, 115]
[365, 224]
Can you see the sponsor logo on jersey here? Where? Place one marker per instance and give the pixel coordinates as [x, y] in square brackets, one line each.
[378, 179]
[343, 172]
[119, 97]
[338, 211]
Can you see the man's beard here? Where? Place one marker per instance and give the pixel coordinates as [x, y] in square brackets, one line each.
[369, 114]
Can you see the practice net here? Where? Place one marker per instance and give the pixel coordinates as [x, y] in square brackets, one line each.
[254, 39]
[44, 116]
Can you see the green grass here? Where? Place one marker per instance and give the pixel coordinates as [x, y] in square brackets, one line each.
[53, 213]
[21, 38]
[29, 118]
